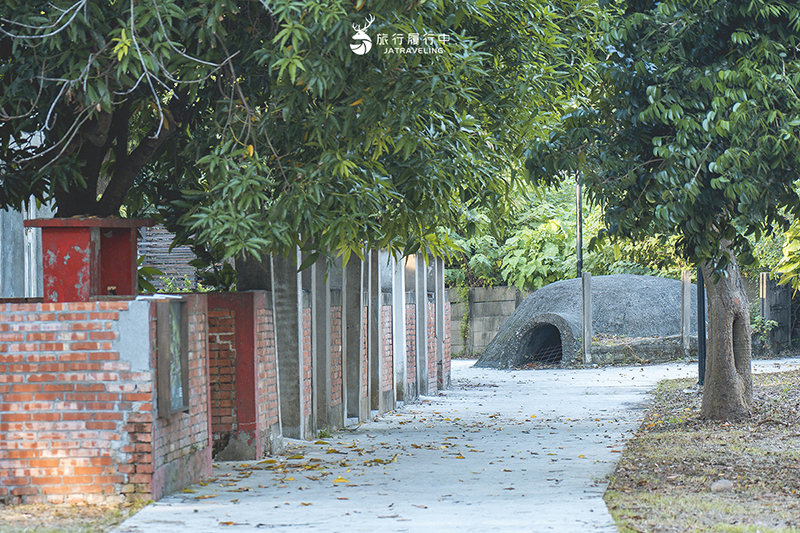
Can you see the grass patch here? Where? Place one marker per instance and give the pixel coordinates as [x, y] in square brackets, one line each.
[663, 480]
[63, 518]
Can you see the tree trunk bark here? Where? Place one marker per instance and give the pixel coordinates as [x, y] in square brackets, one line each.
[728, 390]
[253, 274]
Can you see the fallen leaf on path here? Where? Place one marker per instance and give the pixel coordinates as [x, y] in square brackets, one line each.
[205, 496]
[340, 479]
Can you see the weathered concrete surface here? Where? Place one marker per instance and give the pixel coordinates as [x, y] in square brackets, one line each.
[622, 304]
[487, 308]
[503, 451]
[12, 260]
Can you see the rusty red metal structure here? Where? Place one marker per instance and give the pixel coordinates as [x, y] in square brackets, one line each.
[87, 257]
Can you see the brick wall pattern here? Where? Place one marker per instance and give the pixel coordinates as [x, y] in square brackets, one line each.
[181, 450]
[364, 352]
[411, 344]
[432, 362]
[337, 393]
[387, 367]
[77, 421]
[444, 378]
[267, 402]
[307, 366]
[222, 367]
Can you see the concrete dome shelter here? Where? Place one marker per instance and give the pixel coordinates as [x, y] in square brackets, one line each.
[546, 327]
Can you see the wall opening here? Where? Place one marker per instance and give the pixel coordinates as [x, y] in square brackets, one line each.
[542, 346]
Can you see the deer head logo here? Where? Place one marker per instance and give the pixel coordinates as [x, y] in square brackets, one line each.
[361, 42]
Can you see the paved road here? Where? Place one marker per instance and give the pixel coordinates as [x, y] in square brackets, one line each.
[507, 451]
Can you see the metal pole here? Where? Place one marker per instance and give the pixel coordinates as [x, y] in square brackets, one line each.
[586, 316]
[701, 328]
[579, 232]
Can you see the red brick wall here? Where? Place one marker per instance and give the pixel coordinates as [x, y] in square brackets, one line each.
[76, 418]
[222, 366]
[387, 368]
[364, 352]
[307, 369]
[267, 403]
[246, 358]
[337, 393]
[432, 371]
[444, 379]
[181, 443]
[411, 344]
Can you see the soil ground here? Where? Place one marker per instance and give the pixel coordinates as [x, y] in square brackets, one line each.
[61, 518]
[663, 483]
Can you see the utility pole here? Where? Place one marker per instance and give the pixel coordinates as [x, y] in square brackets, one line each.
[579, 216]
[701, 328]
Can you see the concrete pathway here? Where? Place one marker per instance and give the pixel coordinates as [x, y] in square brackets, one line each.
[503, 451]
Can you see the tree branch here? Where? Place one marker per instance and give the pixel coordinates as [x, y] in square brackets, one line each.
[125, 172]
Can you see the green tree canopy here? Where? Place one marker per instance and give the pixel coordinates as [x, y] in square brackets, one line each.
[694, 131]
[257, 126]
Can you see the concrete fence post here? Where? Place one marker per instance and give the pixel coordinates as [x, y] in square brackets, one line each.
[443, 381]
[422, 324]
[686, 310]
[586, 315]
[287, 294]
[321, 346]
[399, 327]
[374, 346]
[352, 340]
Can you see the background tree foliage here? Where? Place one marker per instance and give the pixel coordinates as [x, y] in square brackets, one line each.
[252, 126]
[693, 132]
[537, 245]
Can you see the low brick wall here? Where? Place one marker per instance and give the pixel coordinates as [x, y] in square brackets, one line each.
[337, 382]
[243, 375]
[411, 351]
[444, 372]
[307, 367]
[432, 363]
[387, 368]
[84, 417]
[222, 368]
[78, 412]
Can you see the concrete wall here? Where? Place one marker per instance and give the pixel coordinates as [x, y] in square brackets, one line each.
[21, 258]
[487, 309]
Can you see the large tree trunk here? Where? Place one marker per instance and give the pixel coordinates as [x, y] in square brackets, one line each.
[728, 390]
